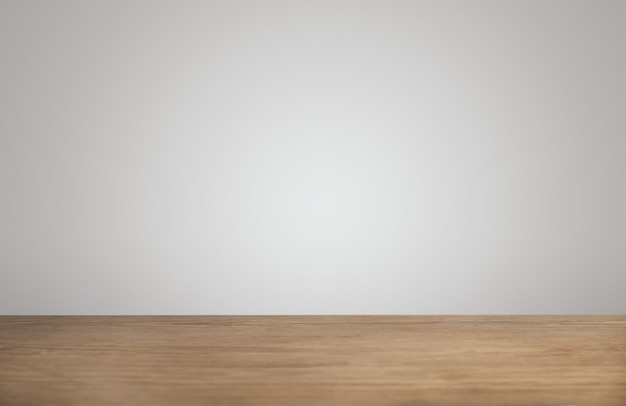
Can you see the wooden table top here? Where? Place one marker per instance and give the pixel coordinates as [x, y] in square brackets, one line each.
[313, 360]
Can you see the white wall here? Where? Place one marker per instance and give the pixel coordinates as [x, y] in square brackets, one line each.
[299, 157]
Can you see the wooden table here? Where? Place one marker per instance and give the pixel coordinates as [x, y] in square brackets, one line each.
[313, 360]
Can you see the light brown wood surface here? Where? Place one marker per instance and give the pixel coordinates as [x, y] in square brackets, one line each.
[313, 360]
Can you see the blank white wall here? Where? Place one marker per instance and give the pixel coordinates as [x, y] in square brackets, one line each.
[308, 157]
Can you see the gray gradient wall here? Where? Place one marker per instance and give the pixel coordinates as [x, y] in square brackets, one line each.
[300, 157]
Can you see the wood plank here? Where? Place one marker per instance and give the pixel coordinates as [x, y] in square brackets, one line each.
[313, 360]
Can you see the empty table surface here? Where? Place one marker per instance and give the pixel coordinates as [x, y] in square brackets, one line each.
[313, 360]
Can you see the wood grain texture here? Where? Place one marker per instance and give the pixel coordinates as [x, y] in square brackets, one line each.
[313, 360]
